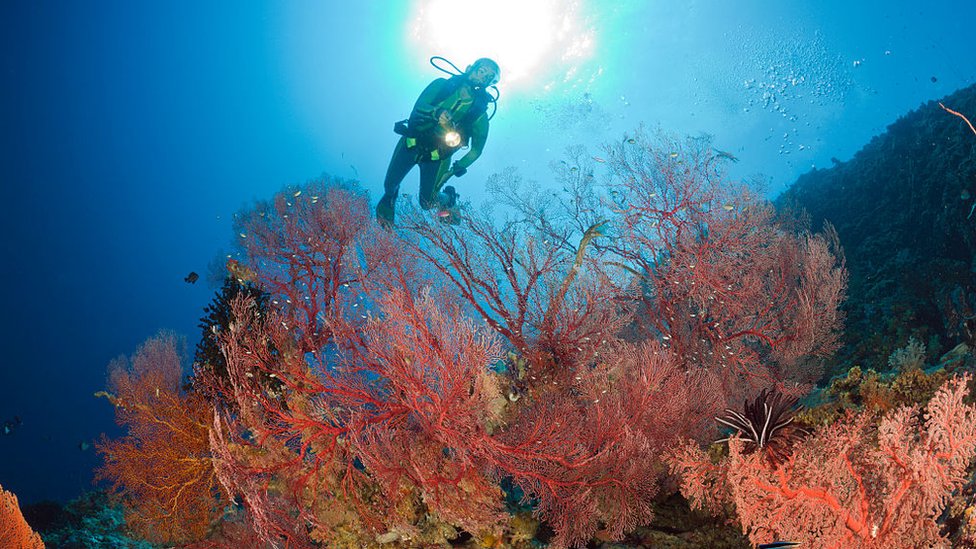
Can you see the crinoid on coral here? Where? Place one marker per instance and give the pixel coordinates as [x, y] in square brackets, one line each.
[766, 425]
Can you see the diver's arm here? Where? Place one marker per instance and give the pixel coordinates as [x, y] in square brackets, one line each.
[479, 136]
[425, 109]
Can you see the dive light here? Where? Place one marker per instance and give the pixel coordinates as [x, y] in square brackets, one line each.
[452, 139]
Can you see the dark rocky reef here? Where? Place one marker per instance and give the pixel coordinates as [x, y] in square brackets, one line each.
[903, 207]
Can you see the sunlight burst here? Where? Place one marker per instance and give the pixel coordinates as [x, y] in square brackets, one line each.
[529, 39]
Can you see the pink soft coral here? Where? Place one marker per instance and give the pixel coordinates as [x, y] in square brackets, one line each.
[854, 484]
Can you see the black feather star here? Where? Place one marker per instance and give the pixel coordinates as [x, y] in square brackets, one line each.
[766, 425]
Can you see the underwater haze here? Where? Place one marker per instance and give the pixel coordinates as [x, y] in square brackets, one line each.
[131, 133]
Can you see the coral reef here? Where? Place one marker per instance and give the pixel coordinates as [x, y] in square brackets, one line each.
[92, 520]
[438, 383]
[908, 382]
[550, 374]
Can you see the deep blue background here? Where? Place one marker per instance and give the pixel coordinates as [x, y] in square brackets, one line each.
[131, 131]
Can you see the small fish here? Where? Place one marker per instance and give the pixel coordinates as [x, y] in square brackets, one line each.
[964, 195]
[297, 193]
[674, 155]
[443, 213]
[191, 278]
[631, 141]
[600, 160]
[726, 155]
[728, 207]
[11, 424]
[84, 445]
[778, 544]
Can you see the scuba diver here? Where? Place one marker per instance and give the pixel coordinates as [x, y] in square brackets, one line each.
[451, 113]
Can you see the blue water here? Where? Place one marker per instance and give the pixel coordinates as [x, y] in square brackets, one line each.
[130, 132]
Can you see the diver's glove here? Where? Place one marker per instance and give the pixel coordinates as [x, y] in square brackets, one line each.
[445, 119]
[458, 171]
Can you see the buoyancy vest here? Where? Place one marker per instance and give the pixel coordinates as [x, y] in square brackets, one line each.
[425, 133]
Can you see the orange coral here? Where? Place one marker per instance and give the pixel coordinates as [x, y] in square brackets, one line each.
[14, 530]
[162, 468]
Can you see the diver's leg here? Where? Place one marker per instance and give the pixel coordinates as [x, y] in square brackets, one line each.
[400, 164]
[431, 177]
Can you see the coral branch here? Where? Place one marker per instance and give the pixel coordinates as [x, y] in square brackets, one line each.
[960, 115]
